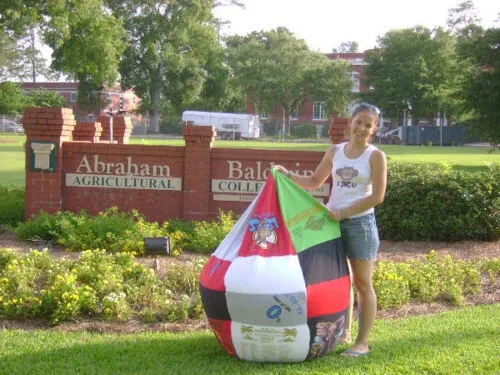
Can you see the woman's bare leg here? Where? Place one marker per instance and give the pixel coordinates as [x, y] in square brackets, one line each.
[367, 302]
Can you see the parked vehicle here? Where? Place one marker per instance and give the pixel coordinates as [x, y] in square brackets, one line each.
[391, 136]
[228, 125]
[8, 126]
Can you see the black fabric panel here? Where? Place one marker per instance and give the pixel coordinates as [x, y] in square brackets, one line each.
[324, 262]
[214, 303]
[326, 332]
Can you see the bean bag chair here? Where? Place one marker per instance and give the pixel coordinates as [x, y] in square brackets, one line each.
[277, 288]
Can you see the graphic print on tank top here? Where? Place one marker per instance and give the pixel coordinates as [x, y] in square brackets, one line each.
[347, 174]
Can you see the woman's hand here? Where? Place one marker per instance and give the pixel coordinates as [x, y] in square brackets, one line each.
[337, 215]
[281, 169]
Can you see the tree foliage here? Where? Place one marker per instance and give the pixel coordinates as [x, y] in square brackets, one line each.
[346, 47]
[12, 98]
[416, 68]
[168, 45]
[481, 90]
[45, 98]
[10, 57]
[276, 68]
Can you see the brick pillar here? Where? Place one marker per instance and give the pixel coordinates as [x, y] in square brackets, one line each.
[338, 130]
[122, 128]
[46, 129]
[87, 131]
[196, 185]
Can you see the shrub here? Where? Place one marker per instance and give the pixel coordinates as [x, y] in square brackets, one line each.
[492, 267]
[304, 131]
[207, 235]
[434, 202]
[111, 230]
[171, 125]
[442, 278]
[40, 227]
[11, 205]
[325, 129]
[100, 284]
[391, 286]
[272, 127]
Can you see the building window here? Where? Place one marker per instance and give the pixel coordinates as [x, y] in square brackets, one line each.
[91, 117]
[264, 114]
[73, 97]
[319, 111]
[355, 81]
[295, 113]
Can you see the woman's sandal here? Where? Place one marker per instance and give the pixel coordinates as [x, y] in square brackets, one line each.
[351, 353]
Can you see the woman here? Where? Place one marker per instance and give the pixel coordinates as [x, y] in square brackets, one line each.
[359, 174]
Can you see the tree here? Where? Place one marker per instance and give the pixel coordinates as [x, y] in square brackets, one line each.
[347, 47]
[274, 67]
[12, 98]
[32, 62]
[45, 98]
[481, 90]
[10, 57]
[219, 92]
[87, 41]
[168, 45]
[416, 67]
[463, 17]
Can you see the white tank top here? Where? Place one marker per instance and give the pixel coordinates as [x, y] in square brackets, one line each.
[351, 179]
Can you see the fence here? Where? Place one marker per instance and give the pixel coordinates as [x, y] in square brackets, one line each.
[7, 120]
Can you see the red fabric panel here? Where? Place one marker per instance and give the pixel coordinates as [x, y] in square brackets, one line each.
[267, 234]
[222, 329]
[328, 297]
[212, 276]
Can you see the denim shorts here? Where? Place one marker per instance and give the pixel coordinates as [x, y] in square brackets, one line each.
[360, 237]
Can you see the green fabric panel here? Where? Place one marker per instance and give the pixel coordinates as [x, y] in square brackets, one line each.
[306, 218]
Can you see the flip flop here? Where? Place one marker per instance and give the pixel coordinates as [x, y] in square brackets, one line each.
[350, 353]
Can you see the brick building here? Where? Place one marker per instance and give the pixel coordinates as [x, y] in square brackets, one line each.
[115, 98]
[314, 112]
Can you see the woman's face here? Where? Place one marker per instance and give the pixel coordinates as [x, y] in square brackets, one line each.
[363, 125]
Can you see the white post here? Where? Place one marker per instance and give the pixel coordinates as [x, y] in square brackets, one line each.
[284, 124]
[111, 128]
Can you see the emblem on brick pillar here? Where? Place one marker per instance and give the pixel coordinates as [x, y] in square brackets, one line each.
[43, 156]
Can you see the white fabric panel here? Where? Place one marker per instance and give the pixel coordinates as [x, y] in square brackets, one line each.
[229, 247]
[265, 275]
[269, 344]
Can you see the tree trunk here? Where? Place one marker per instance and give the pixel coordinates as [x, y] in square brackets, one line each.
[33, 63]
[155, 92]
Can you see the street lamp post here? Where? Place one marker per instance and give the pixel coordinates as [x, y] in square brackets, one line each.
[110, 113]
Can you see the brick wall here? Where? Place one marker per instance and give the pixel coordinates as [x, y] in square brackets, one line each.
[192, 182]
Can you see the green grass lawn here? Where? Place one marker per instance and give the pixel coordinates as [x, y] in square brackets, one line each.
[12, 160]
[463, 341]
[464, 158]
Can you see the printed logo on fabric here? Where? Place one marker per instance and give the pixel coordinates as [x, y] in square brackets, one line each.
[263, 229]
[286, 303]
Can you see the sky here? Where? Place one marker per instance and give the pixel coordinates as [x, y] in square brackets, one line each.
[325, 24]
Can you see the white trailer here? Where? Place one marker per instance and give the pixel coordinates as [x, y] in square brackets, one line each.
[228, 125]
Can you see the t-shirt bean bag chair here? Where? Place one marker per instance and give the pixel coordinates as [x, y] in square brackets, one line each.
[277, 288]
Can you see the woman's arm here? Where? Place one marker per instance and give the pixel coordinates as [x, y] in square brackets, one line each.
[322, 172]
[378, 164]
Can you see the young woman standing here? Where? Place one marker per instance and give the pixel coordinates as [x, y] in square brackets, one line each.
[359, 179]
